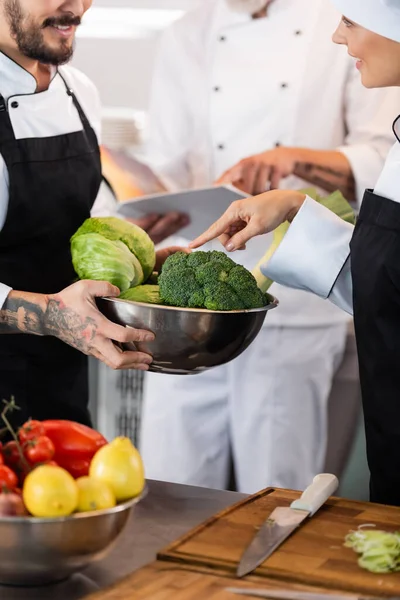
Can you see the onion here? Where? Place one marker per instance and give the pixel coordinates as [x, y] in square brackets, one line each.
[12, 505]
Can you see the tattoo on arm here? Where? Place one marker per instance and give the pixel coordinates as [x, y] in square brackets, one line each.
[19, 315]
[23, 316]
[66, 324]
[328, 179]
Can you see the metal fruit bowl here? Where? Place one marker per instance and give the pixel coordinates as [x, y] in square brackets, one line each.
[41, 551]
[188, 341]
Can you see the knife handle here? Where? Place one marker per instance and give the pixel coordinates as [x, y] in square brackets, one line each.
[313, 497]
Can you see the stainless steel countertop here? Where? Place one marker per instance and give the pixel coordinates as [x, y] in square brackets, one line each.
[168, 511]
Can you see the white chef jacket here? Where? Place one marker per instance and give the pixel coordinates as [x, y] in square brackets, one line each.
[227, 86]
[49, 113]
[315, 253]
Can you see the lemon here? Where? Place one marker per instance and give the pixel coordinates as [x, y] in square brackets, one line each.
[120, 466]
[50, 492]
[94, 495]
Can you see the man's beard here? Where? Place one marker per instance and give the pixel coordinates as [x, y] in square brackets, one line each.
[30, 39]
[250, 7]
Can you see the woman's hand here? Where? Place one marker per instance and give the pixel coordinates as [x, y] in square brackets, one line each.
[247, 218]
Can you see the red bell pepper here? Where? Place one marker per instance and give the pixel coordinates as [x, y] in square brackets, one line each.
[75, 445]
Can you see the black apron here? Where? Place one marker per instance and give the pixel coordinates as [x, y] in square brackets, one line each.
[375, 264]
[54, 182]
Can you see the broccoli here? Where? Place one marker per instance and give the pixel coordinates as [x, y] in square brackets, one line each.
[209, 280]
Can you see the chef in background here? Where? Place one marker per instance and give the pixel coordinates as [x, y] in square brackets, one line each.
[259, 81]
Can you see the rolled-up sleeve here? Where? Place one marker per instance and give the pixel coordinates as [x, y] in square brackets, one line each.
[315, 255]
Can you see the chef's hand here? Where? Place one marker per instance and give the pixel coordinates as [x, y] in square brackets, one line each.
[247, 218]
[73, 317]
[163, 254]
[253, 175]
[160, 227]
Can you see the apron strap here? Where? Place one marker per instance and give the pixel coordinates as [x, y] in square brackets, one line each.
[396, 128]
[82, 115]
[6, 129]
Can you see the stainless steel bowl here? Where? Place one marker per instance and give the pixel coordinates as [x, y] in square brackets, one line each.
[41, 551]
[188, 341]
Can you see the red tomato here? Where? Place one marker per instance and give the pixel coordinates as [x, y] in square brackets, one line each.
[1, 459]
[11, 454]
[8, 479]
[30, 430]
[39, 450]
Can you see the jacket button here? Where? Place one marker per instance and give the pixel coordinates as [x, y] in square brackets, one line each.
[221, 147]
[14, 104]
[217, 88]
[284, 85]
[298, 32]
[277, 144]
[222, 38]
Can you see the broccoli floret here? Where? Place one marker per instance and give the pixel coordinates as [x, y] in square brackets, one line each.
[209, 280]
[221, 297]
[178, 285]
[223, 259]
[211, 272]
[197, 258]
[245, 285]
[179, 259]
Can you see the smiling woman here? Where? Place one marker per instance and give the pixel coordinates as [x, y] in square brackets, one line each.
[357, 269]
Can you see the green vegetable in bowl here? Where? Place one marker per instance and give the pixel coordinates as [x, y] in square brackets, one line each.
[150, 294]
[380, 550]
[208, 280]
[110, 249]
[95, 257]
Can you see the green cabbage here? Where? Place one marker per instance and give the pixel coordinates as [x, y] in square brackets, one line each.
[150, 294]
[110, 249]
[95, 257]
[135, 239]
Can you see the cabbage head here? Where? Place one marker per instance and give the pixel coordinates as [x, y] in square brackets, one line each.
[110, 249]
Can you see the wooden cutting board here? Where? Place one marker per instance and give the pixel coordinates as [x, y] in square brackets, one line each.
[313, 555]
[167, 581]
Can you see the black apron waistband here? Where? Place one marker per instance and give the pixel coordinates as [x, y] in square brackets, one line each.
[380, 211]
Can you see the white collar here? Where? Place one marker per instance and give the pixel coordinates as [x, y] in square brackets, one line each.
[15, 80]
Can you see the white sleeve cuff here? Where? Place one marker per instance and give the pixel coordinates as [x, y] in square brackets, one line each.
[313, 251]
[4, 291]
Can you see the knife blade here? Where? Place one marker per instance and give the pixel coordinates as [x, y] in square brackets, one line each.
[284, 520]
[296, 595]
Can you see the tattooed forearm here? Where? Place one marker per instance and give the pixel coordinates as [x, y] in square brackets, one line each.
[38, 314]
[70, 327]
[328, 179]
[21, 314]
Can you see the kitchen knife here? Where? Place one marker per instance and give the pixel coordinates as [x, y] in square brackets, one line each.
[284, 520]
[295, 595]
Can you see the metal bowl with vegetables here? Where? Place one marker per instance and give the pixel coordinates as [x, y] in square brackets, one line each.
[203, 308]
[66, 495]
